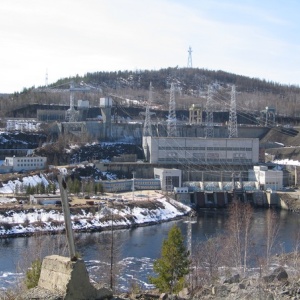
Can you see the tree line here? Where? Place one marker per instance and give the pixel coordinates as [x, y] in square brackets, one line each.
[253, 93]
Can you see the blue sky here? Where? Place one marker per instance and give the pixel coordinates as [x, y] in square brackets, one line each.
[68, 37]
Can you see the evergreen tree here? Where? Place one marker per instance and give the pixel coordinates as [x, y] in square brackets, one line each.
[33, 274]
[43, 188]
[77, 186]
[173, 265]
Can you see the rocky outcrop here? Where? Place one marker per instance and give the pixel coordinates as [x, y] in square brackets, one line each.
[272, 286]
[289, 202]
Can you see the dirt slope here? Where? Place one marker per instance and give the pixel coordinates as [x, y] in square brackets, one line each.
[284, 143]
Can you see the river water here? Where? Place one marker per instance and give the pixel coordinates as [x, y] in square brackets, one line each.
[136, 249]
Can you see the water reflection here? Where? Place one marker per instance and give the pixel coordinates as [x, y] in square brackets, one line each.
[137, 247]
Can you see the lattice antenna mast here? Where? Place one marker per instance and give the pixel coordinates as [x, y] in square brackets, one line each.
[190, 62]
[209, 122]
[147, 125]
[232, 126]
[46, 79]
[171, 128]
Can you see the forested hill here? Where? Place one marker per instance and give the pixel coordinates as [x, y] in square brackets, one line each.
[191, 83]
[190, 80]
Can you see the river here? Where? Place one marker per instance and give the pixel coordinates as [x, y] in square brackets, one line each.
[136, 248]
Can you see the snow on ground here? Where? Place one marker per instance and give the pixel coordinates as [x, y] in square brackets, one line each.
[289, 162]
[27, 221]
[10, 186]
[4, 200]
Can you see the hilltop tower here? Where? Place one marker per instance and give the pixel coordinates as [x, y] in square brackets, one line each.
[46, 79]
[190, 62]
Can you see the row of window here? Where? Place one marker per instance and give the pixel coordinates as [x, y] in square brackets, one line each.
[193, 160]
[29, 159]
[115, 186]
[181, 148]
[206, 148]
[209, 155]
[145, 182]
[29, 165]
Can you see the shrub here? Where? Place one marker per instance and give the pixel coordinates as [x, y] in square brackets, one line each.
[6, 226]
[33, 274]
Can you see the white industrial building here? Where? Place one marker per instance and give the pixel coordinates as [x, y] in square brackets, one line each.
[28, 125]
[267, 179]
[25, 163]
[169, 178]
[193, 150]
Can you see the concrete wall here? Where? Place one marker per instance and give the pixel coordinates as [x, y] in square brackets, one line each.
[200, 172]
[60, 274]
[121, 130]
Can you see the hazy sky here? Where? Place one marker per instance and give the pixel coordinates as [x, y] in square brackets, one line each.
[68, 37]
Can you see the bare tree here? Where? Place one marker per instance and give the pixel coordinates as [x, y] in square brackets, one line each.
[110, 252]
[296, 251]
[207, 260]
[271, 229]
[238, 234]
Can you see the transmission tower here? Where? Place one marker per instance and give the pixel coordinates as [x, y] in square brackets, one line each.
[147, 125]
[171, 128]
[190, 62]
[232, 126]
[209, 122]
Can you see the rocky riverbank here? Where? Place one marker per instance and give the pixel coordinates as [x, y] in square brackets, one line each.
[275, 285]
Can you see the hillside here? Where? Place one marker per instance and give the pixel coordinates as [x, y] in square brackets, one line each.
[283, 143]
[252, 94]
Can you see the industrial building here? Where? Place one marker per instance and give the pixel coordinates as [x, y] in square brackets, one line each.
[124, 185]
[25, 163]
[267, 179]
[191, 150]
[169, 178]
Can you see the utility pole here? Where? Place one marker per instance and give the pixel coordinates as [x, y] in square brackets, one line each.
[112, 247]
[67, 216]
[133, 173]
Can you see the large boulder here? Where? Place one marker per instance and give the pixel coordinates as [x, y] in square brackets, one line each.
[280, 274]
[220, 291]
[233, 279]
